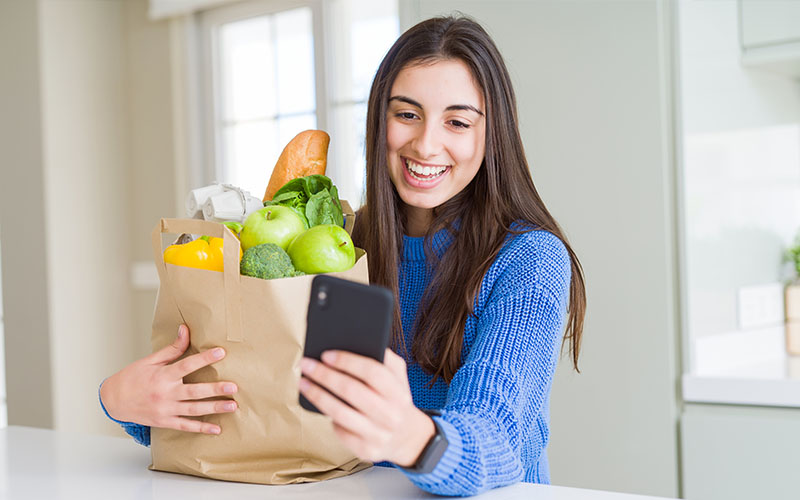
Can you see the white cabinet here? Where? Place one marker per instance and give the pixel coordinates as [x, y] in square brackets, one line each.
[770, 35]
[740, 453]
[769, 22]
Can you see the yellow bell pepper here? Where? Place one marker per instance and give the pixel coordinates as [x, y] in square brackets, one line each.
[202, 253]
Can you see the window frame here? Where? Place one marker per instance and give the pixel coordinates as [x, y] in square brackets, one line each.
[212, 161]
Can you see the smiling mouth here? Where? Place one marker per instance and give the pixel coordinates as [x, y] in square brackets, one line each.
[424, 172]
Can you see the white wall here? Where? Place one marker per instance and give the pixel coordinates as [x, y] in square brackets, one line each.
[152, 161]
[85, 126]
[593, 87]
[741, 163]
[109, 157]
[87, 169]
[22, 217]
[3, 405]
[86, 172]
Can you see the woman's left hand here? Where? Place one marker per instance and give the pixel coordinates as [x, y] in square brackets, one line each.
[381, 422]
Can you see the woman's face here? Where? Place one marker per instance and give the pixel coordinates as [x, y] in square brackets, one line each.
[435, 132]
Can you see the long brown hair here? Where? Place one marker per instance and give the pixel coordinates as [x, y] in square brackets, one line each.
[501, 193]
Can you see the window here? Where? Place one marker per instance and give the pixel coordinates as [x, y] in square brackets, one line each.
[277, 68]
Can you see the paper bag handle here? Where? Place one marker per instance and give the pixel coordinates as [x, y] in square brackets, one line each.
[230, 256]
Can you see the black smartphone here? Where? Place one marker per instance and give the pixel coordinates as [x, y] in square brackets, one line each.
[347, 316]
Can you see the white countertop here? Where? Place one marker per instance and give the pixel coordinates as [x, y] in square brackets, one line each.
[773, 382]
[46, 464]
[743, 368]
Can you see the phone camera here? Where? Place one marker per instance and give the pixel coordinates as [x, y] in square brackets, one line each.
[322, 296]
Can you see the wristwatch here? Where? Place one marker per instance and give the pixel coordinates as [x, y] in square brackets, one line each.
[433, 451]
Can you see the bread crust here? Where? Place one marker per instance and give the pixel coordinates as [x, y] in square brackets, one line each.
[306, 154]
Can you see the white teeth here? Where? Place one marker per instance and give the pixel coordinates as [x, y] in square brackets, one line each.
[415, 168]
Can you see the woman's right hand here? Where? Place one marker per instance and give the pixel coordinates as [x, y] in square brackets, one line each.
[151, 391]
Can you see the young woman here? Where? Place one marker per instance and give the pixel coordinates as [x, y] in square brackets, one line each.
[484, 278]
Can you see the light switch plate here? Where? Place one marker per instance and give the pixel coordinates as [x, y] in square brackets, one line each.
[760, 306]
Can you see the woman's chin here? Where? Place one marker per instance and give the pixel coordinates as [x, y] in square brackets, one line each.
[424, 201]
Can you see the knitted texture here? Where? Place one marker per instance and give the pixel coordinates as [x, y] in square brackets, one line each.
[495, 411]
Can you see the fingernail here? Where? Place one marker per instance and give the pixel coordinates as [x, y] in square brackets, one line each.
[215, 430]
[329, 356]
[229, 388]
[218, 353]
[180, 332]
[304, 384]
[229, 406]
[307, 365]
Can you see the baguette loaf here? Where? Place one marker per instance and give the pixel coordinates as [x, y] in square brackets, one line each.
[306, 154]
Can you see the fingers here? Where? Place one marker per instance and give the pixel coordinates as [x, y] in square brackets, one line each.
[190, 364]
[350, 390]
[341, 414]
[198, 408]
[174, 350]
[194, 362]
[396, 364]
[189, 425]
[206, 390]
[375, 374]
[361, 447]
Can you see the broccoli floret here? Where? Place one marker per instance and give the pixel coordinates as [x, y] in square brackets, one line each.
[267, 261]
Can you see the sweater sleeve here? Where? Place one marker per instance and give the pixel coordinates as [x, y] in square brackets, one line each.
[502, 387]
[139, 433]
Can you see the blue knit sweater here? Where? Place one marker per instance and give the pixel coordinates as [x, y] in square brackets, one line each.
[495, 411]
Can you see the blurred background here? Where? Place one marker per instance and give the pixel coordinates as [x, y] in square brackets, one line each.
[663, 135]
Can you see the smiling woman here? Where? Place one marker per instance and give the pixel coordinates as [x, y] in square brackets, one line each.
[435, 136]
[484, 278]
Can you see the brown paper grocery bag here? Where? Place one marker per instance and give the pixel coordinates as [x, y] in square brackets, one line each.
[261, 324]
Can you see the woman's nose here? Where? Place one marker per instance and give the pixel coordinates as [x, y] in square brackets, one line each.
[428, 142]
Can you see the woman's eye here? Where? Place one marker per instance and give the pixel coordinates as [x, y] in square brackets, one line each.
[406, 115]
[459, 124]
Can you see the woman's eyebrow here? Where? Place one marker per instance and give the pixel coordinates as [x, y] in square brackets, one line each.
[465, 107]
[406, 100]
[452, 107]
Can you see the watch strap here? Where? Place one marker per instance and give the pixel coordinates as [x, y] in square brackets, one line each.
[433, 451]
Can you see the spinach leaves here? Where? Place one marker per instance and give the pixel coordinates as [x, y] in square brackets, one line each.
[314, 198]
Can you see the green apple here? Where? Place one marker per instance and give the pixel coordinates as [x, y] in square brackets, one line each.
[273, 224]
[326, 248]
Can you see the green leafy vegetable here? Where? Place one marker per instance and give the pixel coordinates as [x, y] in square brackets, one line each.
[313, 197]
[236, 227]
